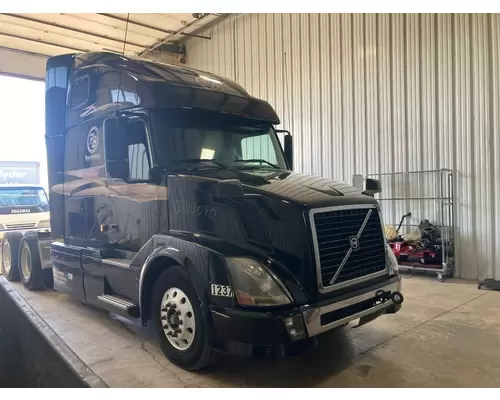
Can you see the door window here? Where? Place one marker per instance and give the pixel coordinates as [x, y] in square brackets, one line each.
[127, 155]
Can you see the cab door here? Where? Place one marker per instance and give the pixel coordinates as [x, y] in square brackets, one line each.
[127, 214]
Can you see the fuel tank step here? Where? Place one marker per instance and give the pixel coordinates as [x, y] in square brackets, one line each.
[119, 305]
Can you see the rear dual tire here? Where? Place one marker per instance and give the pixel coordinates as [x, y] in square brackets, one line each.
[10, 255]
[21, 261]
[30, 265]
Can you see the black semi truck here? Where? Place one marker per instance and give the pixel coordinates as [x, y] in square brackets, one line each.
[173, 201]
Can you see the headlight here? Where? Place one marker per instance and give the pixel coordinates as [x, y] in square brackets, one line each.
[392, 260]
[254, 285]
[44, 224]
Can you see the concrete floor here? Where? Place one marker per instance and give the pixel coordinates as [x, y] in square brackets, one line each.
[446, 335]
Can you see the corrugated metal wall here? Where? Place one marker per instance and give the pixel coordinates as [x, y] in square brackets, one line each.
[380, 93]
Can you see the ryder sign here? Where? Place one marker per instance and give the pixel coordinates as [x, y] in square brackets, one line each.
[20, 172]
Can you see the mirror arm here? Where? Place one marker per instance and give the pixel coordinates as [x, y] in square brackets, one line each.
[156, 174]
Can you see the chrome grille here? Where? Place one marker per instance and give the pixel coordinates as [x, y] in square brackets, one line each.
[26, 225]
[349, 245]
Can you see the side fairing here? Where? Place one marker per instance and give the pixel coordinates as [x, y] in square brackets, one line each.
[56, 87]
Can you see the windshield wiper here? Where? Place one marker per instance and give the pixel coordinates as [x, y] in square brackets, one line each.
[258, 160]
[198, 160]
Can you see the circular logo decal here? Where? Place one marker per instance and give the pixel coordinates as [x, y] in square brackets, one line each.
[93, 140]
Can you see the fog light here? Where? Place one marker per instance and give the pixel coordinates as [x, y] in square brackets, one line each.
[295, 327]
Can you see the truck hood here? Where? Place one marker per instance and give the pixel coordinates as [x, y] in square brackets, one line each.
[303, 190]
[269, 220]
[296, 188]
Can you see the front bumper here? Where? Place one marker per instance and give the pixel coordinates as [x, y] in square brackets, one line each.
[264, 328]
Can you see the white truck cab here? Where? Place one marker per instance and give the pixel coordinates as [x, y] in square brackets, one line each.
[23, 207]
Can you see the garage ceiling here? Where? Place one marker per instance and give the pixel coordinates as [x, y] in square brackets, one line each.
[27, 40]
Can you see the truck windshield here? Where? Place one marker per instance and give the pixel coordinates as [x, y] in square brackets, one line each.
[19, 196]
[196, 137]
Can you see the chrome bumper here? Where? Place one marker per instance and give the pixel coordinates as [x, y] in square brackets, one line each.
[312, 317]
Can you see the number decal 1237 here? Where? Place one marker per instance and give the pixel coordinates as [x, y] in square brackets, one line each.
[221, 290]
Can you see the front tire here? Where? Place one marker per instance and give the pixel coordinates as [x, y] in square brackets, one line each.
[180, 321]
[30, 265]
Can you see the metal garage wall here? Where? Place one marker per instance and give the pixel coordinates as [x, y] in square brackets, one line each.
[380, 93]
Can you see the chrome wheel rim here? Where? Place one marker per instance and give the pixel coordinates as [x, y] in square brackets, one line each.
[177, 318]
[6, 260]
[26, 263]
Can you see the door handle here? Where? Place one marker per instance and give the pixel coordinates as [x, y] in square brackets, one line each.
[109, 228]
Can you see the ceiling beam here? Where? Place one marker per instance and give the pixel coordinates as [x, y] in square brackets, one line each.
[71, 29]
[58, 45]
[22, 64]
[22, 76]
[221, 18]
[25, 52]
[136, 23]
[172, 35]
[170, 32]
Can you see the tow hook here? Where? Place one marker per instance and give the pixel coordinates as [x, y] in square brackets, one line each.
[384, 296]
[397, 297]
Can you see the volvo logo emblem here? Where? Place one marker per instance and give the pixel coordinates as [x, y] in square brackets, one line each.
[354, 243]
[93, 140]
